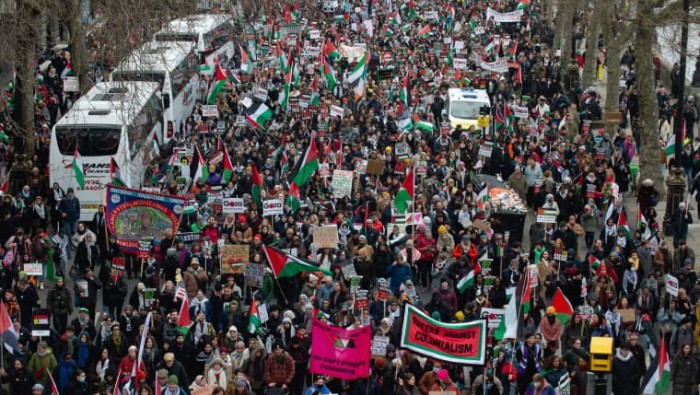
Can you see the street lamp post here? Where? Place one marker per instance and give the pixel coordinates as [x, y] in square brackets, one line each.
[676, 180]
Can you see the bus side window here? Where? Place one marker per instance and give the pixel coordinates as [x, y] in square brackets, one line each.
[166, 101]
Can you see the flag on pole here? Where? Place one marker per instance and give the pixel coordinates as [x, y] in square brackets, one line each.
[202, 171]
[658, 375]
[358, 77]
[115, 173]
[10, 337]
[77, 166]
[54, 387]
[246, 64]
[217, 85]
[524, 291]
[183, 320]
[482, 198]
[424, 32]
[258, 115]
[329, 74]
[508, 328]
[523, 4]
[257, 185]
[315, 99]
[5, 184]
[287, 265]
[284, 95]
[254, 319]
[640, 217]
[406, 193]
[308, 164]
[466, 282]
[227, 165]
[562, 307]
[622, 224]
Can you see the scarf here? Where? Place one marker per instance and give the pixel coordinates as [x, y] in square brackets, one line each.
[621, 241]
[83, 355]
[39, 210]
[610, 230]
[101, 368]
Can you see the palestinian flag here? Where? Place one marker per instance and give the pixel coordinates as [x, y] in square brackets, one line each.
[450, 55]
[293, 197]
[283, 59]
[286, 265]
[228, 165]
[424, 32]
[308, 165]
[217, 85]
[358, 78]
[524, 291]
[510, 118]
[422, 125]
[640, 217]
[405, 124]
[328, 72]
[77, 166]
[404, 92]
[183, 319]
[562, 306]
[396, 19]
[254, 320]
[284, 95]
[482, 198]
[500, 117]
[246, 64]
[523, 4]
[258, 114]
[508, 328]
[5, 184]
[329, 50]
[670, 148]
[406, 193]
[202, 170]
[257, 185]
[622, 224]
[315, 96]
[54, 387]
[658, 377]
[466, 282]
[115, 173]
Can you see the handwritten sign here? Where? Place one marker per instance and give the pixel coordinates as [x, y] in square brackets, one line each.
[326, 236]
[379, 344]
[234, 258]
[254, 273]
[342, 183]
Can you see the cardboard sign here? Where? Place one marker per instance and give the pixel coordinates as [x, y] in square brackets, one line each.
[342, 183]
[234, 258]
[119, 263]
[233, 206]
[210, 111]
[254, 273]
[379, 344]
[672, 285]
[375, 166]
[273, 207]
[326, 236]
[40, 322]
[461, 343]
[626, 315]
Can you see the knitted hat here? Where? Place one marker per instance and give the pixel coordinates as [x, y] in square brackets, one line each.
[551, 310]
[172, 379]
[442, 229]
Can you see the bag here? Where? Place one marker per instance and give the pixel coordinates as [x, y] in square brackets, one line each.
[653, 199]
[8, 258]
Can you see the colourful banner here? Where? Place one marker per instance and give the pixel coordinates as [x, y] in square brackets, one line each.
[339, 352]
[461, 343]
[134, 215]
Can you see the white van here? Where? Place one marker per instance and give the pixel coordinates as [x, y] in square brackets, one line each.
[463, 106]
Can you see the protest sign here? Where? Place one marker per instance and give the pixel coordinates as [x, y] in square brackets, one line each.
[144, 248]
[379, 344]
[564, 387]
[520, 111]
[361, 167]
[118, 263]
[486, 149]
[326, 236]
[233, 206]
[210, 111]
[254, 273]
[342, 183]
[33, 269]
[324, 170]
[208, 390]
[40, 322]
[354, 283]
[459, 63]
[627, 315]
[460, 343]
[504, 17]
[546, 216]
[339, 352]
[273, 207]
[234, 258]
[362, 299]
[585, 312]
[498, 66]
[82, 289]
[384, 291]
[375, 166]
[672, 285]
[337, 111]
[493, 316]
[421, 167]
[134, 214]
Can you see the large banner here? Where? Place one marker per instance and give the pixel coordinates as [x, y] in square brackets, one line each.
[504, 17]
[461, 343]
[339, 352]
[134, 215]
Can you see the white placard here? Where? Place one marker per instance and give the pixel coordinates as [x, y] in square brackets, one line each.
[672, 285]
[33, 269]
[314, 34]
[260, 93]
[459, 63]
[210, 111]
[520, 111]
[431, 15]
[273, 207]
[379, 344]
[233, 206]
[459, 44]
[337, 111]
[504, 17]
[70, 84]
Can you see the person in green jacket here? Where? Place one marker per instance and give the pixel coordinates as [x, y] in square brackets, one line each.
[42, 363]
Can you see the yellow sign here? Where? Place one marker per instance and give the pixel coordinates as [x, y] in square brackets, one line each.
[482, 121]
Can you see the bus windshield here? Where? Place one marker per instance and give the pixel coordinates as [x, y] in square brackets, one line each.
[465, 109]
[152, 76]
[92, 141]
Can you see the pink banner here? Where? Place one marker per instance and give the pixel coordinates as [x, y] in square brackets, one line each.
[339, 352]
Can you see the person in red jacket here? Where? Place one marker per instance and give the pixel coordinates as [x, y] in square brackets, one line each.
[211, 231]
[126, 367]
[426, 245]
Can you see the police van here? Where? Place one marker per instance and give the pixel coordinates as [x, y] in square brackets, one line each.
[463, 106]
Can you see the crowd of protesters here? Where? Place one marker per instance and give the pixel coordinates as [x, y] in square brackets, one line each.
[551, 159]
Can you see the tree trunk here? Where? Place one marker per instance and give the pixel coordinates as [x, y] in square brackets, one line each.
[558, 26]
[79, 57]
[649, 157]
[612, 54]
[592, 32]
[567, 31]
[24, 115]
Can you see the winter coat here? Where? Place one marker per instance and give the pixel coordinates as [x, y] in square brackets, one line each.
[60, 301]
[626, 374]
[684, 374]
[398, 273]
[279, 372]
